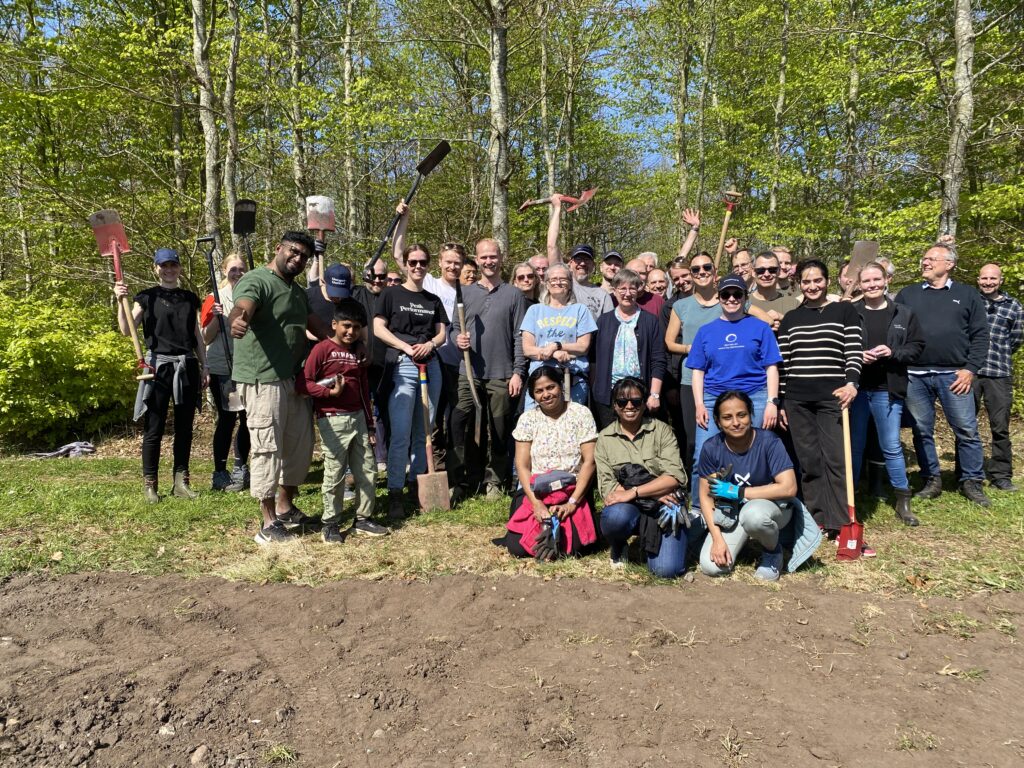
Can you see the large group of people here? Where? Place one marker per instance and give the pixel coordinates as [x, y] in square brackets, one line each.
[666, 404]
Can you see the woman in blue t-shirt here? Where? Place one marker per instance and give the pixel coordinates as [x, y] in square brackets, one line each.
[557, 332]
[735, 352]
[747, 485]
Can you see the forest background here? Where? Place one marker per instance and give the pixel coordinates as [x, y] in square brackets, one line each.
[853, 119]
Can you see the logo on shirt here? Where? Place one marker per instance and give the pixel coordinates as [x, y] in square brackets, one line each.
[730, 338]
[741, 479]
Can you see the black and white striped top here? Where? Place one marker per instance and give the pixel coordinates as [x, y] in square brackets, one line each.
[822, 349]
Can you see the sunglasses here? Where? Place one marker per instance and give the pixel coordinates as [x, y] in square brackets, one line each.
[417, 262]
[526, 277]
[766, 271]
[622, 402]
[698, 269]
[373, 277]
[731, 295]
[394, 281]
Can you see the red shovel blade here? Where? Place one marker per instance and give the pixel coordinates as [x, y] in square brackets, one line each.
[109, 231]
[584, 198]
[851, 541]
[320, 213]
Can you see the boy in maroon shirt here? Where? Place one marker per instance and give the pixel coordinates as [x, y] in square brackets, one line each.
[340, 389]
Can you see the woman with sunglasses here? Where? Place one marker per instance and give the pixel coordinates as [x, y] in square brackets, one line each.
[411, 322]
[644, 448]
[168, 315]
[629, 343]
[524, 277]
[233, 267]
[892, 339]
[823, 352]
[746, 491]
[555, 449]
[734, 352]
[557, 333]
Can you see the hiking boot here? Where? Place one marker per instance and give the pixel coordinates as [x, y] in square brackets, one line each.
[1004, 484]
[221, 480]
[396, 508]
[295, 518]
[932, 488]
[903, 512]
[149, 490]
[457, 495]
[332, 534]
[771, 565]
[239, 479]
[274, 533]
[971, 490]
[370, 528]
[494, 493]
[181, 487]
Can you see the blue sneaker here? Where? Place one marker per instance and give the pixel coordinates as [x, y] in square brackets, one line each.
[771, 565]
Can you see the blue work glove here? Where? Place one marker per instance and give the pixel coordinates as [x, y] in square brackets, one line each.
[670, 518]
[723, 490]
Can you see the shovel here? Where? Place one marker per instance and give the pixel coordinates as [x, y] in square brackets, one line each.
[112, 241]
[233, 403]
[577, 202]
[851, 535]
[478, 408]
[244, 224]
[732, 199]
[437, 154]
[433, 486]
[320, 219]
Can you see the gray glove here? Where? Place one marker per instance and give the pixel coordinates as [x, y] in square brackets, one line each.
[545, 548]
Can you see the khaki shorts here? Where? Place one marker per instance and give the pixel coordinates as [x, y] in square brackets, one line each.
[281, 431]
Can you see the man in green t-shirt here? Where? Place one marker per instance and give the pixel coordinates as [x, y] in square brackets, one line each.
[269, 320]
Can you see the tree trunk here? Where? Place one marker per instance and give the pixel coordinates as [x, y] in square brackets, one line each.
[201, 40]
[231, 156]
[681, 103]
[298, 132]
[545, 121]
[851, 145]
[497, 147]
[269, 145]
[702, 102]
[352, 208]
[961, 114]
[780, 108]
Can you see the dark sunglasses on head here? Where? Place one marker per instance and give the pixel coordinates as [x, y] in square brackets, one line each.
[622, 402]
[736, 295]
[766, 271]
[697, 269]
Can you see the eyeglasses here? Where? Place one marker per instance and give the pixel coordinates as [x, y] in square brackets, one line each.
[731, 295]
[622, 402]
[557, 281]
[394, 281]
[417, 262]
[302, 253]
[766, 271]
[526, 277]
[697, 269]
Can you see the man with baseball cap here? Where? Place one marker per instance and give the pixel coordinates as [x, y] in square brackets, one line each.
[610, 266]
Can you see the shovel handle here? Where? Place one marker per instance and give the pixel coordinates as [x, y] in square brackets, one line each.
[425, 402]
[848, 462]
[721, 238]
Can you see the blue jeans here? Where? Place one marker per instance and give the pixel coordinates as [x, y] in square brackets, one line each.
[887, 413]
[408, 440]
[619, 522]
[922, 391]
[759, 398]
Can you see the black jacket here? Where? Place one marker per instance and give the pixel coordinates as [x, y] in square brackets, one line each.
[650, 343]
[906, 340]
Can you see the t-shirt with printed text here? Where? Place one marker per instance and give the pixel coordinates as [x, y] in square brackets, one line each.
[412, 315]
[734, 354]
[563, 324]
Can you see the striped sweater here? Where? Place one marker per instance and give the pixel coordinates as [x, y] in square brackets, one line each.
[822, 349]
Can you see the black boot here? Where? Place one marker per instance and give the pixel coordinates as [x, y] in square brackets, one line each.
[903, 507]
[971, 490]
[932, 488]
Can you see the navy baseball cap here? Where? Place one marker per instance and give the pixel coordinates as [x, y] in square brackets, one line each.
[338, 281]
[165, 256]
[584, 251]
[614, 256]
[732, 281]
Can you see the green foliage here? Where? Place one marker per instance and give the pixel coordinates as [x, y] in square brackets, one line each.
[63, 371]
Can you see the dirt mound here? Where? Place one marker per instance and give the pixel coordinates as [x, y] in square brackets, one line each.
[116, 670]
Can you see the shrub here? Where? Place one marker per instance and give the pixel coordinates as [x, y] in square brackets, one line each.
[63, 370]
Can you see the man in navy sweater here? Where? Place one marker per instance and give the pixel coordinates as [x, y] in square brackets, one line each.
[955, 327]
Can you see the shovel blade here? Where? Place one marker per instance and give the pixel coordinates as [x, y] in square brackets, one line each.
[433, 491]
[584, 198]
[320, 213]
[109, 231]
[437, 154]
[851, 541]
[244, 222]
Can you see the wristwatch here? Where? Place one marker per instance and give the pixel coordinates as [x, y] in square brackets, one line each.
[558, 346]
[656, 395]
[774, 401]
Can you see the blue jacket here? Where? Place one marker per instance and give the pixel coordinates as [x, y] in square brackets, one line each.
[650, 343]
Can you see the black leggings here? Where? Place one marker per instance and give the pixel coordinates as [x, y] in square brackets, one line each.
[155, 419]
[225, 428]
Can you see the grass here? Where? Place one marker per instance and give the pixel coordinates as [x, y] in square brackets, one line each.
[65, 516]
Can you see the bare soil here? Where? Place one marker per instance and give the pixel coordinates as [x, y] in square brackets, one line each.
[119, 670]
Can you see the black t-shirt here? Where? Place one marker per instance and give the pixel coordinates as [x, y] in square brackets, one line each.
[322, 308]
[169, 320]
[412, 315]
[876, 331]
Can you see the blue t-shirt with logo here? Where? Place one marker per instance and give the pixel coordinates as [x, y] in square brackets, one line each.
[763, 460]
[734, 354]
[563, 324]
